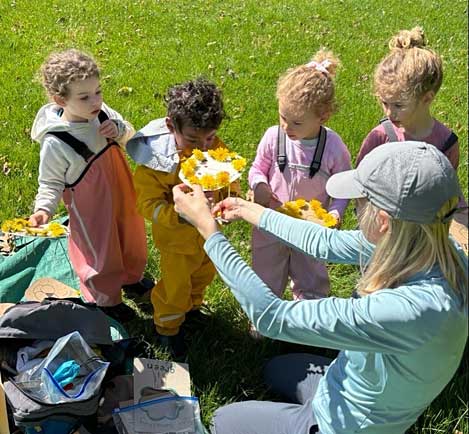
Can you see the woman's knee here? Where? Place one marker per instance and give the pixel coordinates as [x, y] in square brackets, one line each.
[224, 420]
[295, 377]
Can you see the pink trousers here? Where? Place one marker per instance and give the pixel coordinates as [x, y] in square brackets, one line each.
[274, 262]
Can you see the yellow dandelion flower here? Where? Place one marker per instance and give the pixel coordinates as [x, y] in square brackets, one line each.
[188, 172]
[223, 179]
[198, 154]
[185, 165]
[315, 204]
[55, 229]
[219, 154]
[239, 164]
[301, 203]
[321, 213]
[15, 225]
[208, 182]
[188, 167]
[292, 209]
[193, 180]
[292, 205]
[329, 220]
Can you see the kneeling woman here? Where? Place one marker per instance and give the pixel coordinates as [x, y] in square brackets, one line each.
[401, 342]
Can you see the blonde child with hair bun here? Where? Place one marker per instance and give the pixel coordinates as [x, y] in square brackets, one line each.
[406, 82]
[294, 160]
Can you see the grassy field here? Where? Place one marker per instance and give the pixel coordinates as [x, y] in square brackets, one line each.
[143, 46]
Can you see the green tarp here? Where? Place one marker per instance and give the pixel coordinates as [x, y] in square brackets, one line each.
[34, 258]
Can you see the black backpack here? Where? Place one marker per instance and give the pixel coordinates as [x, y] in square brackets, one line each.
[49, 320]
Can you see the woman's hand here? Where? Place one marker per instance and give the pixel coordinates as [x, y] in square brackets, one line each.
[235, 208]
[194, 207]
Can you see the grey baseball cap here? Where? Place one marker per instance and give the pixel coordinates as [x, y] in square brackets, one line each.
[409, 180]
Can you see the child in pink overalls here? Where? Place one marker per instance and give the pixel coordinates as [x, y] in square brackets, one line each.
[82, 161]
[295, 160]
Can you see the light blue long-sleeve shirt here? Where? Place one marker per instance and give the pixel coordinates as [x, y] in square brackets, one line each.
[399, 347]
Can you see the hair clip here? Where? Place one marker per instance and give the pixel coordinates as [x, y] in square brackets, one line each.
[321, 66]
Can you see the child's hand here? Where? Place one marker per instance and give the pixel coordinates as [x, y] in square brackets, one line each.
[40, 217]
[336, 214]
[262, 194]
[210, 195]
[108, 129]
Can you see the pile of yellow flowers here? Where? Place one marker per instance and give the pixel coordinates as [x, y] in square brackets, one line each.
[207, 181]
[301, 208]
[23, 227]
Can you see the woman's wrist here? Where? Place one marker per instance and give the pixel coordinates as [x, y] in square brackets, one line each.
[251, 212]
[207, 228]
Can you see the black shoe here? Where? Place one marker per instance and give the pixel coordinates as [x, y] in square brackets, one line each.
[197, 316]
[140, 288]
[174, 345]
[120, 312]
[201, 314]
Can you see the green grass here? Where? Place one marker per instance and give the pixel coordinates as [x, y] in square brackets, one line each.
[243, 46]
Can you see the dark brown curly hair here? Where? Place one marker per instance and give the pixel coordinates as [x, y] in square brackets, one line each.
[196, 103]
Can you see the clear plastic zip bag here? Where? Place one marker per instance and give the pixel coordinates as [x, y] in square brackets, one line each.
[169, 414]
[41, 383]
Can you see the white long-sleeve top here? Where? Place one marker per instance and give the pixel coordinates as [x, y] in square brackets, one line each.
[59, 164]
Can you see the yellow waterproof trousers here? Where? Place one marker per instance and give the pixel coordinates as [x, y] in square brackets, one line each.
[180, 289]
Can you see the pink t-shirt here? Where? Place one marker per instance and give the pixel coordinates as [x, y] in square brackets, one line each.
[438, 137]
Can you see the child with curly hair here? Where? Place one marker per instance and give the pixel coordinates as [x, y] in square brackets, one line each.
[406, 82]
[81, 161]
[194, 113]
[295, 160]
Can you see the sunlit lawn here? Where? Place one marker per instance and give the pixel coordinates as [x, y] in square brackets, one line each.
[145, 46]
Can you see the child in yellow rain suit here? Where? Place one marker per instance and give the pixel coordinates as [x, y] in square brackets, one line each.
[194, 113]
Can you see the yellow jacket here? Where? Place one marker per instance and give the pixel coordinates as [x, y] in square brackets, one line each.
[155, 203]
